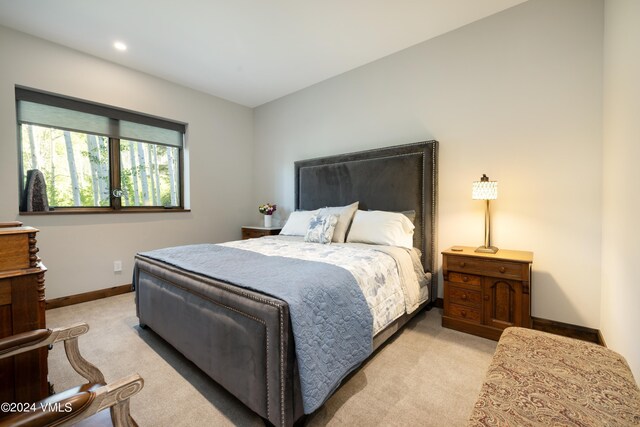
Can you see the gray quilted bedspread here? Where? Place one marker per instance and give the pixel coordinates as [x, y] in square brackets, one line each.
[331, 322]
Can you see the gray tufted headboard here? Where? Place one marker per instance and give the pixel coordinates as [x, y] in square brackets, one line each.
[397, 178]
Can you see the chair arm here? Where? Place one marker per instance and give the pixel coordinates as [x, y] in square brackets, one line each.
[31, 340]
[27, 341]
[86, 400]
[116, 397]
[74, 405]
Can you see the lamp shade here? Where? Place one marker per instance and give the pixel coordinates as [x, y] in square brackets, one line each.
[484, 189]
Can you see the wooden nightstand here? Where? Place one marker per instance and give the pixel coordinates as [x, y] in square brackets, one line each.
[486, 293]
[251, 232]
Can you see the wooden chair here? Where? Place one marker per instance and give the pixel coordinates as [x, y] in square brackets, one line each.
[73, 405]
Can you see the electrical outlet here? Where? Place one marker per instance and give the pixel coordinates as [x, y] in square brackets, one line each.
[117, 266]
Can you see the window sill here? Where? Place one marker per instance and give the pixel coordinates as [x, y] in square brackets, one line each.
[76, 211]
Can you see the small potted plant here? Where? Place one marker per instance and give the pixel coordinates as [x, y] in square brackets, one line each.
[267, 210]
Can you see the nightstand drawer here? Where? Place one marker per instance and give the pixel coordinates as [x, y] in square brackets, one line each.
[495, 268]
[251, 233]
[255, 232]
[464, 278]
[463, 296]
[462, 312]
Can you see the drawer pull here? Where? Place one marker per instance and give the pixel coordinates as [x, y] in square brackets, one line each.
[463, 297]
[463, 313]
[465, 279]
[462, 264]
[502, 269]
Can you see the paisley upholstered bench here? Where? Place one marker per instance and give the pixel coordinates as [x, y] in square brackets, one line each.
[540, 379]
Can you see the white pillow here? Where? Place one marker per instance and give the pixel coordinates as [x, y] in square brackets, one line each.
[345, 215]
[298, 223]
[381, 228]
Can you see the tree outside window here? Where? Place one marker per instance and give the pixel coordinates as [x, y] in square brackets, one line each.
[113, 160]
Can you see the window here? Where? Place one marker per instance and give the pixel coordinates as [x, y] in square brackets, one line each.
[82, 157]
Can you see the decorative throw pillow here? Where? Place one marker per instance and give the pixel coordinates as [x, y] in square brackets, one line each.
[321, 228]
[344, 215]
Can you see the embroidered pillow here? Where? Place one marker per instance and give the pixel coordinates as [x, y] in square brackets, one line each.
[321, 228]
[344, 215]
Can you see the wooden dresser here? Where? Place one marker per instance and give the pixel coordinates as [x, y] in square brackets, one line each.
[486, 293]
[22, 308]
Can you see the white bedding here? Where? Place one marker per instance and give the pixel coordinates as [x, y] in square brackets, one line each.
[389, 277]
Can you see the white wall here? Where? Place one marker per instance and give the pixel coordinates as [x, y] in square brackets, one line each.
[517, 95]
[79, 250]
[621, 202]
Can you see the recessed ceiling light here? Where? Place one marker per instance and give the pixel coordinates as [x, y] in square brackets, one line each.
[120, 46]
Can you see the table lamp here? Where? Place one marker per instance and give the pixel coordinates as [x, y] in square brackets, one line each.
[486, 190]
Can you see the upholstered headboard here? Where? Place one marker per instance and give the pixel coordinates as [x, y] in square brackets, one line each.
[398, 178]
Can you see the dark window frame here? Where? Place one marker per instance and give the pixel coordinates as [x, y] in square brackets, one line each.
[115, 114]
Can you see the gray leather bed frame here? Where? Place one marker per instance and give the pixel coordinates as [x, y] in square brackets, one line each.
[242, 339]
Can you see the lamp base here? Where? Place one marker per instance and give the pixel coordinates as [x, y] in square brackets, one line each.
[487, 249]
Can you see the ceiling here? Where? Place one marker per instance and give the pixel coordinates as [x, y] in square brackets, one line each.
[246, 51]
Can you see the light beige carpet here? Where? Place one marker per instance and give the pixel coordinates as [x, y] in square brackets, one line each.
[425, 376]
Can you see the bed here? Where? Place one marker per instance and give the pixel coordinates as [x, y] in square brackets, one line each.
[244, 338]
